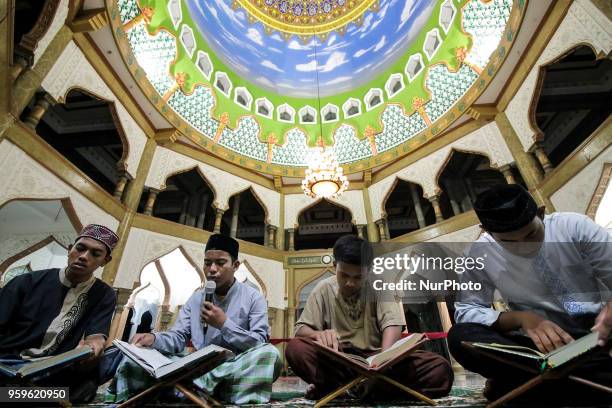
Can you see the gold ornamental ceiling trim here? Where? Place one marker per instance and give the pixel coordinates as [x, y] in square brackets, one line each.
[307, 28]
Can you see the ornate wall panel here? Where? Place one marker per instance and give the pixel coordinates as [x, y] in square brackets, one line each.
[576, 194]
[583, 24]
[352, 199]
[486, 140]
[145, 246]
[167, 162]
[72, 70]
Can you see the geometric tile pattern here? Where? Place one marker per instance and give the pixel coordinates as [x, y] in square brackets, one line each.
[244, 139]
[446, 88]
[352, 149]
[486, 23]
[397, 127]
[294, 152]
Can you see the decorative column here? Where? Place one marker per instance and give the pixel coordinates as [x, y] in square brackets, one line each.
[121, 312]
[218, 217]
[450, 192]
[461, 54]
[183, 216]
[42, 104]
[418, 104]
[235, 211]
[543, 158]
[435, 202]
[360, 231]
[202, 214]
[165, 317]
[223, 122]
[370, 134]
[180, 79]
[506, 170]
[271, 235]
[148, 210]
[525, 162]
[416, 200]
[271, 142]
[382, 232]
[123, 179]
[291, 232]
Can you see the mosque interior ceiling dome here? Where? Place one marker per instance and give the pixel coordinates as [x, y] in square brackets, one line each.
[264, 83]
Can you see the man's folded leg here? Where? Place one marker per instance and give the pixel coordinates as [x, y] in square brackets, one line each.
[246, 378]
[315, 368]
[423, 371]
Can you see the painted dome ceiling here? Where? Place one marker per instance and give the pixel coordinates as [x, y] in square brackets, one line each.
[262, 83]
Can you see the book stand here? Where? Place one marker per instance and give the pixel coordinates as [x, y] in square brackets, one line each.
[365, 372]
[179, 382]
[563, 371]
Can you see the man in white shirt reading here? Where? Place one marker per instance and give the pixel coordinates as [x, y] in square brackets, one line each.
[555, 274]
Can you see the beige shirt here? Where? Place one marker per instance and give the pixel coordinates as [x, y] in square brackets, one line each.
[325, 309]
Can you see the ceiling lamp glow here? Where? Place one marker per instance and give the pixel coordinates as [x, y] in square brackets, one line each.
[324, 177]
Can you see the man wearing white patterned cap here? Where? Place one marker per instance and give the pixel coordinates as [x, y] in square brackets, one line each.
[52, 311]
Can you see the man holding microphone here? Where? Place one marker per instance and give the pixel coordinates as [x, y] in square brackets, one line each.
[232, 315]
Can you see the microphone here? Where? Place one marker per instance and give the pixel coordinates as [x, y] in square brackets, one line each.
[209, 290]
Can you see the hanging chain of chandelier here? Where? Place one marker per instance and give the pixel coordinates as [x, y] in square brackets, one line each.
[324, 177]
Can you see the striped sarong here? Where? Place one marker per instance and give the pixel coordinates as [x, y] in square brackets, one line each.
[244, 379]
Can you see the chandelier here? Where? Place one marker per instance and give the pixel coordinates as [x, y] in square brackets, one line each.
[324, 178]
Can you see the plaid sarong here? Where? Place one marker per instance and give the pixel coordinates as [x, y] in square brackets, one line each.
[244, 379]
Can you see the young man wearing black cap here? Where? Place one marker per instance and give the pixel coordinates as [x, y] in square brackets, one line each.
[554, 272]
[237, 319]
[48, 312]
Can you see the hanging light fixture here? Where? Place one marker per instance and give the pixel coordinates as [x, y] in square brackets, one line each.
[324, 177]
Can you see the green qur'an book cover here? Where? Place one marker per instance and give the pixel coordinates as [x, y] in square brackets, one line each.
[553, 359]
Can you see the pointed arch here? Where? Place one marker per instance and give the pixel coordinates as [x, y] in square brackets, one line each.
[318, 201]
[39, 245]
[255, 275]
[125, 144]
[449, 156]
[390, 191]
[570, 100]
[313, 278]
[541, 76]
[259, 200]
[187, 170]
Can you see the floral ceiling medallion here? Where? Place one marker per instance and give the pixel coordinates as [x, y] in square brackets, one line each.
[305, 18]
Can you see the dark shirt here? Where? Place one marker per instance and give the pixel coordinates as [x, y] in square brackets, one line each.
[30, 302]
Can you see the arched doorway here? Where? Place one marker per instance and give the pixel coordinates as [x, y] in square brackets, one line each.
[245, 219]
[407, 210]
[321, 224]
[187, 199]
[574, 99]
[463, 178]
[85, 131]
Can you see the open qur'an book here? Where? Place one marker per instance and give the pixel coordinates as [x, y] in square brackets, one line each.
[553, 359]
[42, 366]
[159, 366]
[394, 353]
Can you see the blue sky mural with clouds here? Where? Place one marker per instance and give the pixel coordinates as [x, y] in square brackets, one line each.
[288, 66]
